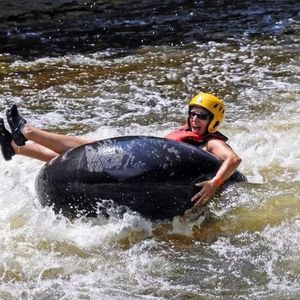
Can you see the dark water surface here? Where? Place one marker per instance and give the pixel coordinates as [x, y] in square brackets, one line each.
[102, 69]
[39, 28]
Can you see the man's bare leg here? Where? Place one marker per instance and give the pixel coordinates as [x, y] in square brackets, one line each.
[58, 143]
[34, 151]
[47, 145]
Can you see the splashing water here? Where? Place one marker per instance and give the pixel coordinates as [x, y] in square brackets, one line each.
[247, 245]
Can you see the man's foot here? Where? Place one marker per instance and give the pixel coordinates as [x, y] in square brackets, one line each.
[5, 142]
[16, 122]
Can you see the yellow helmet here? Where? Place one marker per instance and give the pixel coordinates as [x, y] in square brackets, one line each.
[212, 104]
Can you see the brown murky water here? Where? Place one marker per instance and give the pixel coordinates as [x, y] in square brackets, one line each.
[127, 67]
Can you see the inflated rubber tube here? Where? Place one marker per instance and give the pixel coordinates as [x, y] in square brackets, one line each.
[153, 176]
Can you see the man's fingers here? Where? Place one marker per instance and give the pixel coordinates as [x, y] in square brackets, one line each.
[198, 197]
[201, 202]
[195, 197]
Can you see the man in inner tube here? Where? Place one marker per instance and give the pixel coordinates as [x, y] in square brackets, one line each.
[205, 114]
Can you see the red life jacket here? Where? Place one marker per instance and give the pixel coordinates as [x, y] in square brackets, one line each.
[184, 134]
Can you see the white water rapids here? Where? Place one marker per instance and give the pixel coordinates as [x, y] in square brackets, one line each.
[247, 248]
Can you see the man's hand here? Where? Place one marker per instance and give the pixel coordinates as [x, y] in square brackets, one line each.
[207, 191]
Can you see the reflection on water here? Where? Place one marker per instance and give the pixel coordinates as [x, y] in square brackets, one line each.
[44, 28]
[112, 68]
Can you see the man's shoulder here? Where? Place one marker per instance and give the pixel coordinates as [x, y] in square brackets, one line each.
[216, 136]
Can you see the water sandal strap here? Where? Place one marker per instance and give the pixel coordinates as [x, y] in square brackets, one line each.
[16, 122]
[5, 142]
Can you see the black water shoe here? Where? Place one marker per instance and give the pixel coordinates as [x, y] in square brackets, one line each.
[5, 142]
[16, 122]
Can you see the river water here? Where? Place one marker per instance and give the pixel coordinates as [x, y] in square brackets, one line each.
[129, 67]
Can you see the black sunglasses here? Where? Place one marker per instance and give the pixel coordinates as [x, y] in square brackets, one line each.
[200, 116]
